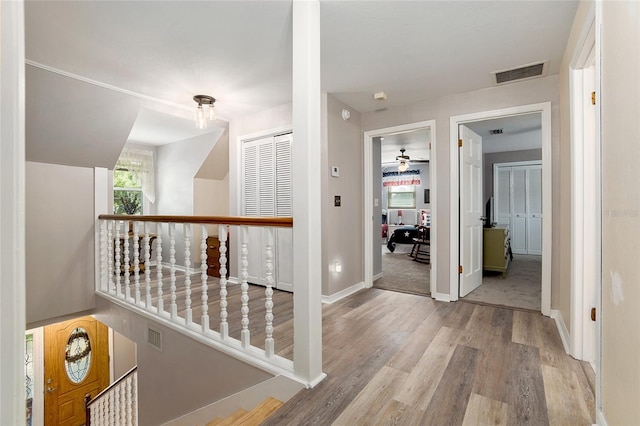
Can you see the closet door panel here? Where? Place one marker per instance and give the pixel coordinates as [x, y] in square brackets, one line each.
[503, 197]
[518, 194]
[534, 204]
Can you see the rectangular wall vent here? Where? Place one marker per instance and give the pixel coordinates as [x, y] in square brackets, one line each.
[525, 72]
[154, 338]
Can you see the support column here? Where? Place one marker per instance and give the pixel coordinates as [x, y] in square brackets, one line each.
[12, 213]
[307, 235]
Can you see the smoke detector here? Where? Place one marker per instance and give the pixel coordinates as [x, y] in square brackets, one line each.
[380, 96]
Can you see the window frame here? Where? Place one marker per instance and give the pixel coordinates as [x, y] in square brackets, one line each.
[397, 190]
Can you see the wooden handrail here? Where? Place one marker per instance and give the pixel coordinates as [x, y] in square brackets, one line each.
[280, 222]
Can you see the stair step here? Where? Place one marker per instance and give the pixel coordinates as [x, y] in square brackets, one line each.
[260, 413]
[231, 420]
[249, 418]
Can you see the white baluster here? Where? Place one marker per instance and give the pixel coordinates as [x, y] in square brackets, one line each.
[129, 421]
[134, 399]
[110, 255]
[159, 267]
[244, 286]
[172, 262]
[224, 326]
[204, 277]
[110, 407]
[268, 304]
[104, 285]
[147, 267]
[127, 265]
[123, 402]
[187, 274]
[117, 256]
[136, 262]
[117, 405]
[103, 411]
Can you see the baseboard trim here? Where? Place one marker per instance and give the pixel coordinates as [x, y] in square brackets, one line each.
[562, 329]
[600, 420]
[441, 297]
[377, 276]
[333, 298]
[279, 387]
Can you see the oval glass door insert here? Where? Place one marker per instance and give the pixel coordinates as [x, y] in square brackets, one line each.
[77, 358]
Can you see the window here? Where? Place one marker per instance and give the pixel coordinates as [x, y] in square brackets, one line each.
[401, 197]
[133, 181]
[127, 193]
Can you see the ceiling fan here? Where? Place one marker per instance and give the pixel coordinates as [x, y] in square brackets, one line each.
[404, 160]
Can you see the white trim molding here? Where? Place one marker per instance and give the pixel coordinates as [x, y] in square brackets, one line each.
[562, 329]
[544, 108]
[368, 195]
[333, 298]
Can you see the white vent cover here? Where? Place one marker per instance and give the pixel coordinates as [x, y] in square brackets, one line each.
[525, 72]
[154, 338]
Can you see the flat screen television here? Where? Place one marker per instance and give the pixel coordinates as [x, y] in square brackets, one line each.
[488, 214]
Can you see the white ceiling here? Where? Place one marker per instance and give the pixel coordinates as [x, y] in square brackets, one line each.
[415, 143]
[116, 58]
[519, 133]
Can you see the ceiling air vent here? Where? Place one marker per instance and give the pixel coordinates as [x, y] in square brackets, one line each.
[525, 72]
[495, 132]
[154, 338]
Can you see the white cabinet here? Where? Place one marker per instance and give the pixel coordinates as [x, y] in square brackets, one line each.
[266, 190]
[518, 194]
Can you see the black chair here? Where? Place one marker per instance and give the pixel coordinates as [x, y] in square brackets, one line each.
[421, 251]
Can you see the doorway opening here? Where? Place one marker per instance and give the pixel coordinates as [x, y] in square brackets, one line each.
[399, 244]
[458, 252]
[512, 210]
[405, 211]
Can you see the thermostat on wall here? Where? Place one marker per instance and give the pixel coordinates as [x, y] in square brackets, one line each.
[335, 171]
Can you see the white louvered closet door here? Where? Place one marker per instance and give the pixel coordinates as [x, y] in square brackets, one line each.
[284, 208]
[518, 193]
[266, 191]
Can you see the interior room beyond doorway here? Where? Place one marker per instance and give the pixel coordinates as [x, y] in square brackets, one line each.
[512, 197]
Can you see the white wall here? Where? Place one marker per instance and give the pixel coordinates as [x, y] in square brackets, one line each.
[620, 106]
[59, 240]
[441, 109]
[124, 355]
[184, 376]
[342, 227]
[177, 165]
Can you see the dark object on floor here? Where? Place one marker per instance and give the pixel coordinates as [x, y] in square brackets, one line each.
[404, 235]
[421, 251]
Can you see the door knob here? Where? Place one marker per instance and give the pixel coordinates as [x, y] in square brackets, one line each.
[50, 389]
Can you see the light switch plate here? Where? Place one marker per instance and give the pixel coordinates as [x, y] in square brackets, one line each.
[335, 171]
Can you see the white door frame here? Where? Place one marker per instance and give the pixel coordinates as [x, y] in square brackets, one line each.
[544, 109]
[368, 195]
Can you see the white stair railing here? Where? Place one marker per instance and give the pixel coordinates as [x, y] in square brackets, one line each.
[179, 301]
[115, 405]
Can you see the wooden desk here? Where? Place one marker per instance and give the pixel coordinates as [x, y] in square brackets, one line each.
[213, 256]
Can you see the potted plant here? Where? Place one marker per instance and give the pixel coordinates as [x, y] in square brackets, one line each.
[129, 203]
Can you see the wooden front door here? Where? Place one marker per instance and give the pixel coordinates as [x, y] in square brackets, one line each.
[76, 363]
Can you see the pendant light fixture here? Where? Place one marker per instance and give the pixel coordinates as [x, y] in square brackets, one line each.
[205, 110]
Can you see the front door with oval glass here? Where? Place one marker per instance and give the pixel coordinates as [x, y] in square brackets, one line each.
[76, 364]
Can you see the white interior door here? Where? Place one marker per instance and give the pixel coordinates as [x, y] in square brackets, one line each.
[471, 210]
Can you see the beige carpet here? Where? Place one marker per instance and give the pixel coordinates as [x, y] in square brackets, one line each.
[520, 289]
[401, 273]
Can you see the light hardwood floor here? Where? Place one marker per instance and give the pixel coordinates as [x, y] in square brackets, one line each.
[400, 359]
